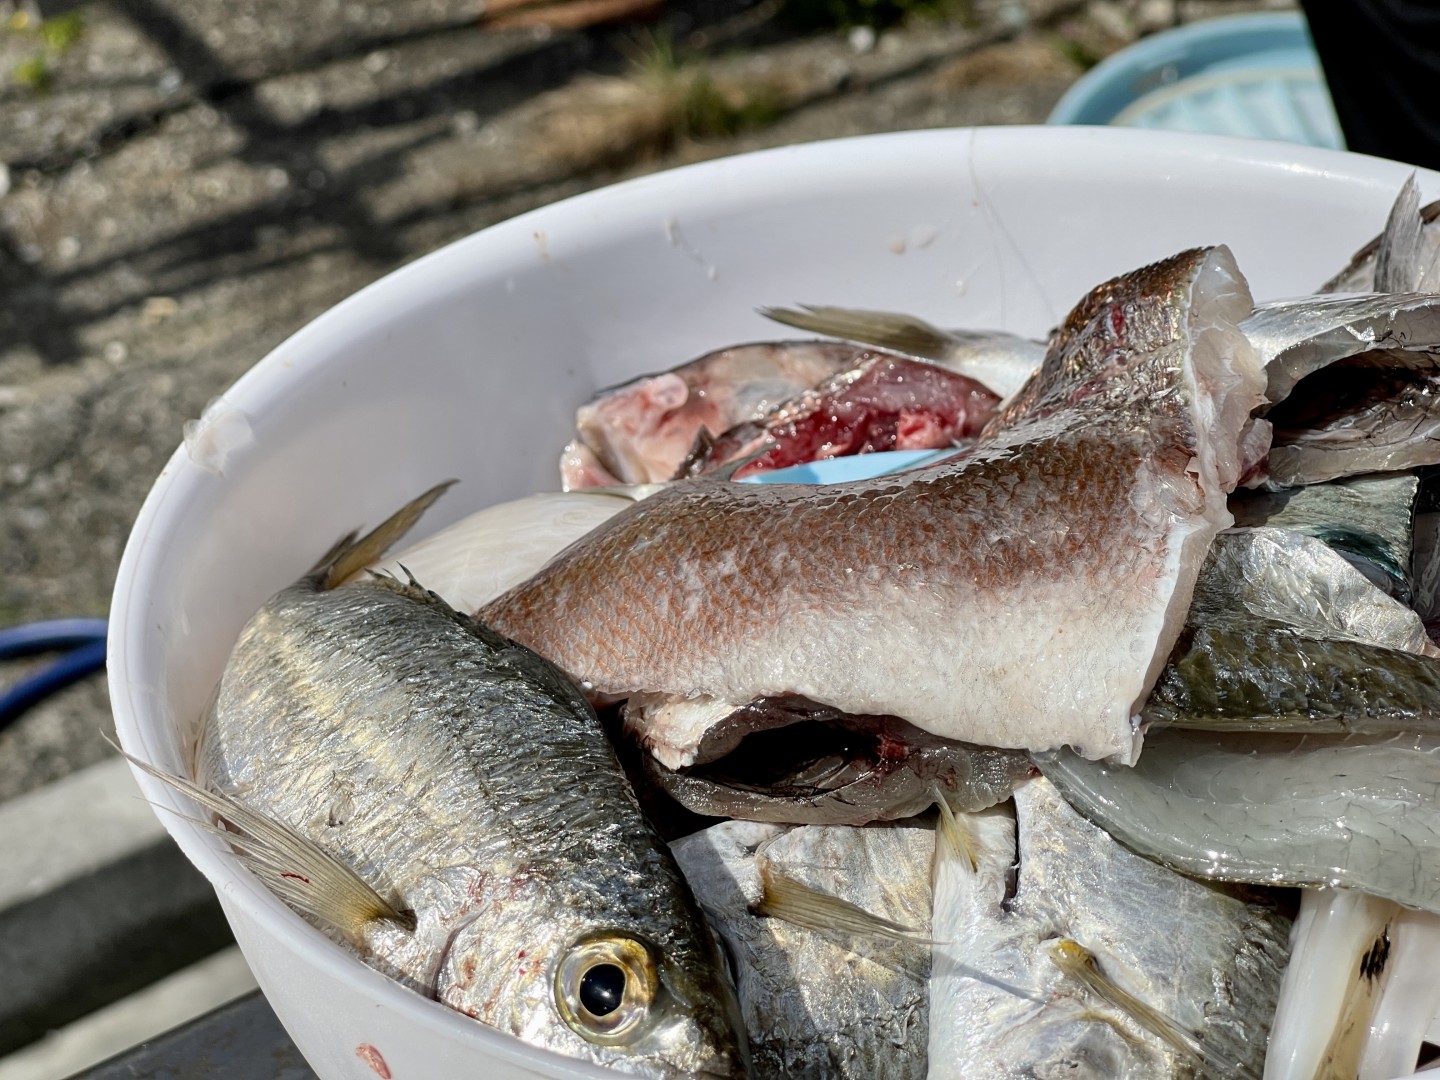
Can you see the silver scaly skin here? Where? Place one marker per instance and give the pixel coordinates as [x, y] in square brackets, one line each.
[822, 1003]
[1018, 890]
[464, 780]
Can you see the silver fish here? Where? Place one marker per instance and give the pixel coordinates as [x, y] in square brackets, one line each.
[1369, 519]
[818, 1002]
[446, 804]
[1285, 635]
[1024, 594]
[1116, 968]
[1351, 382]
[1353, 811]
[1425, 553]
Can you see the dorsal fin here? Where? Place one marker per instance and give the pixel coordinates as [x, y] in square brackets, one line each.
[899, 333]
[349, 556]
[1397, 258]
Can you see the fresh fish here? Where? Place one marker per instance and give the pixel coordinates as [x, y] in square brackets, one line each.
[477, 558]
[883, 403]
[1024, 594]
[800, 763]
[821, 1003]
[1368, 519]
[1351, 382]
[643, 431]
[1001, 361]
[446, 803]
[1297, 338]
[1117, 968]
[1361, 415]
[1284, 634]
[1311, 810]
[823, 768]
[1403, 258]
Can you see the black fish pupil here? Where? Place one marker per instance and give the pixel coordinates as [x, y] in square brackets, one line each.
[601, 988]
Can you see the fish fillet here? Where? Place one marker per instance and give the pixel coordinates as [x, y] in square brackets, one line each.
[1024, 594]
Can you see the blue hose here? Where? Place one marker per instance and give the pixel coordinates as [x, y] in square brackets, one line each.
[84, 642]
[30, 639]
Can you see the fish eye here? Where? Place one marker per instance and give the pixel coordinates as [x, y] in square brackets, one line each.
[605, 986]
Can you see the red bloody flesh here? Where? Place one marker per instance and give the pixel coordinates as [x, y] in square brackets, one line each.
[892, 404]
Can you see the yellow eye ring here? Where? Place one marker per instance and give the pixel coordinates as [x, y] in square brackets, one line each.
[605, 986]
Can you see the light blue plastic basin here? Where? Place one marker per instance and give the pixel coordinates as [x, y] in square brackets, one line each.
[1254, 76]
[856, 467]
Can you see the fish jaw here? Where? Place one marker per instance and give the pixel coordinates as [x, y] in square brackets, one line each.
[643, 431]
[1023, 595]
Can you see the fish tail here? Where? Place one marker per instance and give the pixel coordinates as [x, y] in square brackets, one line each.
[350, 555]
[294, 867]
[886, 330]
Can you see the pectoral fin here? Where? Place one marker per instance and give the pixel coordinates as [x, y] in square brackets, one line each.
[299, 871]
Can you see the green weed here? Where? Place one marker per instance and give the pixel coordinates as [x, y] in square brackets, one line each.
[697, 107]
[54, 38]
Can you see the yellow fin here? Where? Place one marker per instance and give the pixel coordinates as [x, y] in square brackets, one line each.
[294, 867]
[785, 898]
[1081, 965]
[953, 839]
[886, 330]
[349, 556]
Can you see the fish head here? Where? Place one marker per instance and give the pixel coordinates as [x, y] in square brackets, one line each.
[641, 430]
[635, 995]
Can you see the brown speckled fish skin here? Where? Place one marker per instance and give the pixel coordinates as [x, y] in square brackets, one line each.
[1023, 594]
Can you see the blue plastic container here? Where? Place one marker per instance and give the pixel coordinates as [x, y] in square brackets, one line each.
[856, 467]
[1255, 76]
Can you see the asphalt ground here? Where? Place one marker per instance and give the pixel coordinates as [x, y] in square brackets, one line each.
[186, 183]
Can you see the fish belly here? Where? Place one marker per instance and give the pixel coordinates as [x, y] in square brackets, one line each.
[938, 597]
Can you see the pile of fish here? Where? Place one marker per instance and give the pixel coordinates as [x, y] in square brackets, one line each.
[1105, 745]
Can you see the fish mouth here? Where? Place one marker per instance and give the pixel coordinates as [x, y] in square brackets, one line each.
[796, 761]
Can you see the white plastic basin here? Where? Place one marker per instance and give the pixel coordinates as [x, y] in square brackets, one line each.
[469, 363]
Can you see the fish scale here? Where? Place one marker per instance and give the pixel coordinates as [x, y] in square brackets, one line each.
[1019, 595]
